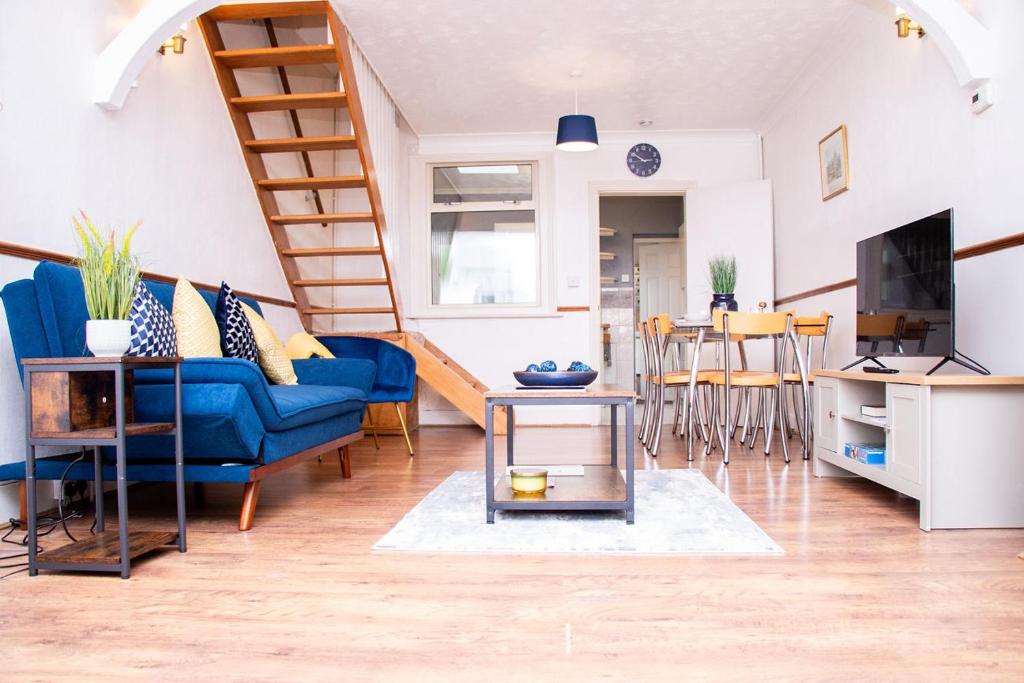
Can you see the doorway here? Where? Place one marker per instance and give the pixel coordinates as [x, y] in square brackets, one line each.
[643, 273]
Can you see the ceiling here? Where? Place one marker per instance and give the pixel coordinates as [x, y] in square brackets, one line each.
[497, 66]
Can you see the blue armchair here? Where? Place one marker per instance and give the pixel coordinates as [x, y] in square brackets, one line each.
[396, 372]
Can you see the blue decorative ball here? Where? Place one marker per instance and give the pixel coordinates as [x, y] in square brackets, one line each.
[548, 366]
[578, 366]
[533, 367]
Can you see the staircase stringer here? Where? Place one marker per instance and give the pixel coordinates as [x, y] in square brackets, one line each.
[254, 162]
[340, 38]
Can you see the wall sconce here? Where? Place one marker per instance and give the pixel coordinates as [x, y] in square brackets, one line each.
[175, 43]
[904, 26]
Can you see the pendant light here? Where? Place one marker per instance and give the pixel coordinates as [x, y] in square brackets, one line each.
[576, 132]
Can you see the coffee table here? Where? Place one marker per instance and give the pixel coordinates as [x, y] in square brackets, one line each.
[602, 487]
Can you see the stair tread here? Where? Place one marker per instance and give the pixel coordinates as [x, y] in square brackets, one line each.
[304, 100]
[266, 10]
[348, 311]
[332, 251]
[318, 183]
[348, 282]
[310, 218]
[277, 56]
[304, 144]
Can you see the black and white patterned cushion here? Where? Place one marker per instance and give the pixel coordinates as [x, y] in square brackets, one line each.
[152, 326]
[236, 337]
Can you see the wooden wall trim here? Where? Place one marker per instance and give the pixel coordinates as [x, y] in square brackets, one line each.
[573, 309]
[979, 249]
[33, 254]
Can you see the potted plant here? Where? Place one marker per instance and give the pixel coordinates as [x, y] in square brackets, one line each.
[723, 282]
[110, 274]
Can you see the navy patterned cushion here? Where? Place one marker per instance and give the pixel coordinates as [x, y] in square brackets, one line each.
[152, 326]
[236, 337]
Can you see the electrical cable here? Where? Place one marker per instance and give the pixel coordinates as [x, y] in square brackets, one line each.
[60, 498]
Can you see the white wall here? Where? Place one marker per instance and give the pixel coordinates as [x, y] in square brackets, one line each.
[169, 157]
[491, 348]
[915, 149]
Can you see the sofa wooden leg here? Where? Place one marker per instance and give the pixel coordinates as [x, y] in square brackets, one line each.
[345, 462]
[23, 503]
[249, 498]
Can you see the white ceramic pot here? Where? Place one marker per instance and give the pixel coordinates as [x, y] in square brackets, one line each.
[108, 338]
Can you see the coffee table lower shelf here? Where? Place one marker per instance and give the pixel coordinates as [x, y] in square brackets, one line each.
[600, 488]
[102, 552]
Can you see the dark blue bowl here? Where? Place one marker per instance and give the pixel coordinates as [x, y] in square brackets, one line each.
[555, 379]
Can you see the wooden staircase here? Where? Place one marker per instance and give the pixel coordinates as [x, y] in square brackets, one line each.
[432, 365]
[225, 63]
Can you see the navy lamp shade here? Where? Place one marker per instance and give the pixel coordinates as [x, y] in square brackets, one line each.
[576, 133]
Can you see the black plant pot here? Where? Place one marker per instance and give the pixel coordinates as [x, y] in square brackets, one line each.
[727, 302]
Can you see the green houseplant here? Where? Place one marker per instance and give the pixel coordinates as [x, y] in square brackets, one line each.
[110, 274]
[722, 271]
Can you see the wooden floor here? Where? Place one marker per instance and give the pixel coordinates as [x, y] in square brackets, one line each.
[860, 592]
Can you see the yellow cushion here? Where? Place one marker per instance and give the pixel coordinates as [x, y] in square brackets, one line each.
[303, 345]
[273, 358]
[194, 325]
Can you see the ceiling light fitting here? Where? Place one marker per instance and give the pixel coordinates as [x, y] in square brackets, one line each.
[576, 132]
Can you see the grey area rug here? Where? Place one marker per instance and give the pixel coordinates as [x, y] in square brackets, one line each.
[677, 511]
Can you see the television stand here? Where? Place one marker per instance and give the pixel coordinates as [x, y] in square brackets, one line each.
[949, 442]
[864, 359]
[967, 362]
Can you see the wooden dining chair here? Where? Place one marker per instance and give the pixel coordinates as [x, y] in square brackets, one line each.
[768, 384]
[806, 329]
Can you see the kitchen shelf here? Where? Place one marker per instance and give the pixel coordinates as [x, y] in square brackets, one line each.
[606, 232]
[607, 256]
[879, 422]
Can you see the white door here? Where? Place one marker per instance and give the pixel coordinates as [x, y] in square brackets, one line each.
[661, 287]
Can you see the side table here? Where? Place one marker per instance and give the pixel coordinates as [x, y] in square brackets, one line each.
[68, 403]
[602, 487]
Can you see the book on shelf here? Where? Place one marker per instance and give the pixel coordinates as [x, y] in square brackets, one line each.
[872, 411]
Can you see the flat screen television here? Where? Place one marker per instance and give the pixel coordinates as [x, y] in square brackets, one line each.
[905, 298]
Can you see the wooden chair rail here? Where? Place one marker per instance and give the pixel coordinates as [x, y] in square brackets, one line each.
[979, 249]
[33, 254]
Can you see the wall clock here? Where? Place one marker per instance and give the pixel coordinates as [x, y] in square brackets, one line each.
[643, 160]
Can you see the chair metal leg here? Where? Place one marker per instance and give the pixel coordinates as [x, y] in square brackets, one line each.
[782, 431]
[659, 420]
[373, 428]
[405, 432]
[769, 422]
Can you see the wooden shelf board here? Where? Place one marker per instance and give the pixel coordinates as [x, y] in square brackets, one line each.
[103, 548]
[331, 251]
[922, 379]
[131, 429]
[867, 419]
[312, 100]
[265, 10]
[303, 144]
[598, 483]
[320, 218]
[277, 56]
[322, 183]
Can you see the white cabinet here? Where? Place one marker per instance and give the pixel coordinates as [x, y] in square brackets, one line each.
[951, 441]
[906, 436]
[826, 416]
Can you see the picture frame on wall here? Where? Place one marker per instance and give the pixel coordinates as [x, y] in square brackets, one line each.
[834, 163]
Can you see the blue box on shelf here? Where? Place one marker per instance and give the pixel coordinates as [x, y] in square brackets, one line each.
[869, 454]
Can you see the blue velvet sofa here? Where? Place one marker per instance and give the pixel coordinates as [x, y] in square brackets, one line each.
[237, 427]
